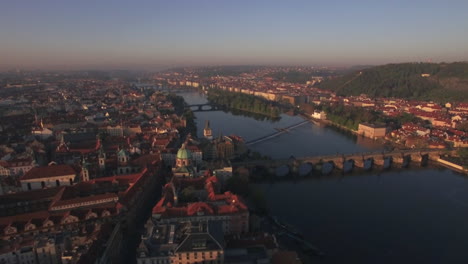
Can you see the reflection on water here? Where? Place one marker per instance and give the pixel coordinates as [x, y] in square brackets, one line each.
[399, 216]
[255, 116]
[306, 140]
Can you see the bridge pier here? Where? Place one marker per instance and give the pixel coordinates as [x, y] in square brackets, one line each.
[402, 160]
[416, 158]
[379, 161]
[434, 156]
[398, 159]
[338, 164]
[421, 158]
[359, 163]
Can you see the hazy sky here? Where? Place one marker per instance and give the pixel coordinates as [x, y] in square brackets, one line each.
[152, 33]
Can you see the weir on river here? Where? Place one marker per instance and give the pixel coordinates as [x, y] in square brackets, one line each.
[277, 133]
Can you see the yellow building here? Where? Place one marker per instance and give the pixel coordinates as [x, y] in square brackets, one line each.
[371, 130]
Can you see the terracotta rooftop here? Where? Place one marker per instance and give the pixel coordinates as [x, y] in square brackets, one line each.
[49, 171]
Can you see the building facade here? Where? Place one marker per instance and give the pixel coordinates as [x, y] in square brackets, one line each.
[372, 131]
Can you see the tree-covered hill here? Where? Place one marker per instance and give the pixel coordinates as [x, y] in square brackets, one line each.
[427, 81]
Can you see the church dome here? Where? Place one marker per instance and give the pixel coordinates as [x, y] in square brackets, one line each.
[184, 153]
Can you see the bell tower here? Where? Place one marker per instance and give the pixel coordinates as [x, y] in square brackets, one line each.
[84, 171]
[207, 132]
[102, 159]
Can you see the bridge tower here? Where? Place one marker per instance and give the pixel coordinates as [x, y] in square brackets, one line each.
[207, 132]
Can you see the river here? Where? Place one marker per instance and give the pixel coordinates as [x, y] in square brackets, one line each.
[305, 140]
[399, 216]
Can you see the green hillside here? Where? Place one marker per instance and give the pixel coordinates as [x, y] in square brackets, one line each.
[447, 81]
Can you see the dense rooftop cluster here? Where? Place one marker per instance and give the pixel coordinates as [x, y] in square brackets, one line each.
[81, 157]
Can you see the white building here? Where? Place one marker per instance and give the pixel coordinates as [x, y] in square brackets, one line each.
[319, 115]
[48, 177]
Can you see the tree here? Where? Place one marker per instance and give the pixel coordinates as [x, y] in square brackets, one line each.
[187, 195]
[238, 185]
[259, 200]
[463, 153]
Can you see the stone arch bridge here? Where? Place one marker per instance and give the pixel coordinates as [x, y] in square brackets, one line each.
[346, 162]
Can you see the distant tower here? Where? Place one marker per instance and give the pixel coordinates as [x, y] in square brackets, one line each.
[207, 132]
[102, 159]
[84, 171]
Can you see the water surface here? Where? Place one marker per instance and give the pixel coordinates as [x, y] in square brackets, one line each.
[399, 216]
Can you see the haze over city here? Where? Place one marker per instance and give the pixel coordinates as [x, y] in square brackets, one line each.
[233, 131]
[153, 34]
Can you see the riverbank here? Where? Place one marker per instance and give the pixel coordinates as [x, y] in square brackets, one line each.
[243, 102]
[382, 141]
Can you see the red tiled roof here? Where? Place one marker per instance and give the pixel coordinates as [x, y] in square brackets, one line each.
[84, 199]
[48, 193]
[49, 171]
[199, 206]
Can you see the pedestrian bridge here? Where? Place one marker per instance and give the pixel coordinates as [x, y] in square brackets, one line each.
[278, 132]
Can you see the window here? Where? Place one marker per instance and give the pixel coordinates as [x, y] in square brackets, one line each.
[42, 184]
[29, 186]
[57, 182]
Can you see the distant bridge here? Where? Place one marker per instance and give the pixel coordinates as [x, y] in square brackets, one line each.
[346, 162]
[165, 88]
[277, 133]
[204, 107]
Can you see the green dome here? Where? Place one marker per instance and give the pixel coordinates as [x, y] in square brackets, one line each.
[184, 153]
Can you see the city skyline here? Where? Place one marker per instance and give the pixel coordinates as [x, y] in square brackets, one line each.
[156, 34]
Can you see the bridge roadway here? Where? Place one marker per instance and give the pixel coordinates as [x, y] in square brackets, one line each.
[199, 107]
[398, 156]
[279, 132]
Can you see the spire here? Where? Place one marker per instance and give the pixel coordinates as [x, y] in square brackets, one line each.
[84, 163]
[101, 152]
[207, 124]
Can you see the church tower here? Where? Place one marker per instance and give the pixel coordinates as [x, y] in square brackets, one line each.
[123, 157]
[184, 157]
[102, 159]
[84, 171]
[207, 132]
